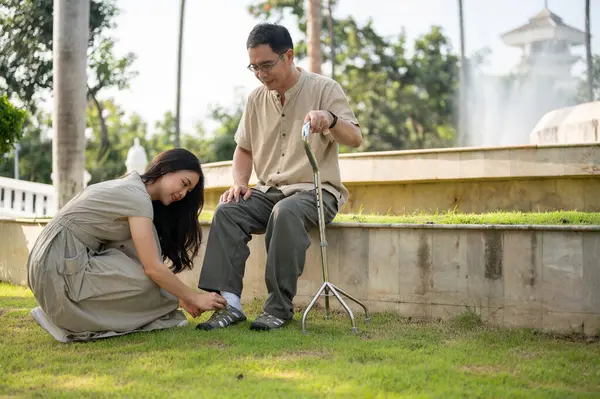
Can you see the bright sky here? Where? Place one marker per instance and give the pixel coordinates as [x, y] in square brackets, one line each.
[215, 58]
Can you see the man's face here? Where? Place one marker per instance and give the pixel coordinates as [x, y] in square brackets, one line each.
[269, 67]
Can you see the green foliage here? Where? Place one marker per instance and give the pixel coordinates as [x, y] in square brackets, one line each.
[276, 9]
[11, 124]
[581, 96]
[109, 70]
[216, 148]
[223, 144]
[163, 137]
[26, 54]
[26, 48]
[35, 153]
[121, 131]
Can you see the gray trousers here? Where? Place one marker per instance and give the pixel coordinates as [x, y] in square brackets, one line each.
[285, 221]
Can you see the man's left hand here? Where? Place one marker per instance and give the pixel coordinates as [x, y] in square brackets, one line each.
[319, 121]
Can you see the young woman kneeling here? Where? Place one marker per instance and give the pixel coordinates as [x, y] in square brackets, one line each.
[97, 268]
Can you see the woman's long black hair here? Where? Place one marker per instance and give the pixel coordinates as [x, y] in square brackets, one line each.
[177, 225]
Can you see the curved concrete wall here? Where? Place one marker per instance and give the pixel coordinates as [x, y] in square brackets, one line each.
[522, 178]
[16, 240]
[576, 124]
[523, 276]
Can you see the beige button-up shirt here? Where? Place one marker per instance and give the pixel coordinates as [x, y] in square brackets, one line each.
[273, 134]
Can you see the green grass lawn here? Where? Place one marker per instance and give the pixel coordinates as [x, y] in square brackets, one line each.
[392, 357]
[512, 218]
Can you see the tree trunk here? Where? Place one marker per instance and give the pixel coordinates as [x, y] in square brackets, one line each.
[463, 133]
[331, 37]
[104, 140]
[314, 23]
[70, 42]
[177, 142]
[588, 52]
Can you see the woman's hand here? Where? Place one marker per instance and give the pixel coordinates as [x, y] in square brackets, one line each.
[210, 301]
[203, 302]
[192, 310]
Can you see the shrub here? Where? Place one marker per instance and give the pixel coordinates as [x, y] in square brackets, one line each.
[11, 124]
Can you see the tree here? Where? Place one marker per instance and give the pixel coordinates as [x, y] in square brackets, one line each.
[434, 68]
[105, 71]
[216, 148]
[35, 154]
[592, 73]
[462, 108]
[26, 41]
[330, 32]
[69, 44]
[277, 9]
[588, 53]
[315, 22]
[223, 144]
[164, 133]
[179, 59]
[35, 160]
[11, 124]
[121, 131]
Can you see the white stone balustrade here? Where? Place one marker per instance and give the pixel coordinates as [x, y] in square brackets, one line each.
[19, 198]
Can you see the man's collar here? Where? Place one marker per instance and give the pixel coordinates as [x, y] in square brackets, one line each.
[294, 89]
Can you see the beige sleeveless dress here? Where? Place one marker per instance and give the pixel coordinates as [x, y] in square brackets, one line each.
[84, 271]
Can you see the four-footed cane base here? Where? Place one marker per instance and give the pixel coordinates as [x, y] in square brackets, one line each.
[336, 291]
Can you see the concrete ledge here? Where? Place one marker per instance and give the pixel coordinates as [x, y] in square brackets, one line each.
[526, 161]
[16, 240]
[518, 276]
[524, 178]
[544, 277]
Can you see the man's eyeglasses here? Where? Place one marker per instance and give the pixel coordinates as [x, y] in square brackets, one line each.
[265, 66]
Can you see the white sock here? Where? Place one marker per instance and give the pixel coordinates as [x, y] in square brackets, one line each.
[232, 300]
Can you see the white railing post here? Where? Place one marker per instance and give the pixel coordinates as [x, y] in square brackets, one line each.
[18, 201]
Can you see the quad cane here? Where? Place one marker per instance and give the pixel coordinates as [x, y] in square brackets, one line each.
[327, 287]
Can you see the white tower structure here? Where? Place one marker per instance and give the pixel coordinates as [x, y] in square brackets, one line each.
[546, 42]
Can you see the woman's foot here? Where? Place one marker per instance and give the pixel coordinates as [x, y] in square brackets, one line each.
[42, 319]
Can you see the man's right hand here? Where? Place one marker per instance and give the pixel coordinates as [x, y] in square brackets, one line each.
[235, 192]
